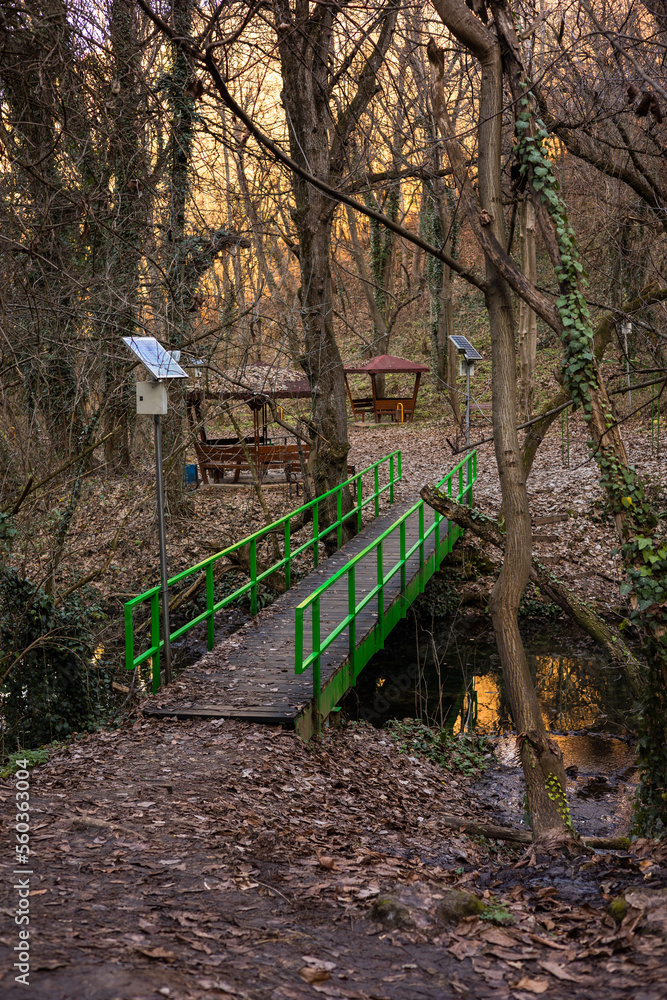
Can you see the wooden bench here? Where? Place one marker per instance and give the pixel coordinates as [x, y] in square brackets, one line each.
[475, 412]
[216, 459]
[392, 408]
[362, 406]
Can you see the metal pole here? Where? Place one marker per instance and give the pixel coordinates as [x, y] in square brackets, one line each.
[468, 431]
[157, 428]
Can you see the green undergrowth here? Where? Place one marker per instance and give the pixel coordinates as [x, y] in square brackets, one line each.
[467, 753]
[533, 605]
[497, 913]
[30, 758]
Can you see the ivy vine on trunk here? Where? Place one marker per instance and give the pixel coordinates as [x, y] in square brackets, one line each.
[643, 546]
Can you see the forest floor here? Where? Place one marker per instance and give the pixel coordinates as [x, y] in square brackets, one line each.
[204, 859]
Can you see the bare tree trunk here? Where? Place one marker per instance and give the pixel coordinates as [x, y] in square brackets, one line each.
[124, 255]
[180, 294]
[366, 280]
[320, 145]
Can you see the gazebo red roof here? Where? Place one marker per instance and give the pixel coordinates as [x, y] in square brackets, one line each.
[386, 364]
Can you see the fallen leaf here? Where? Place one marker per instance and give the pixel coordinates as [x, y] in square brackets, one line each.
[559, 971]
[312, 974]
[549, 942]
[168, 956]
[464, 949]
[532, 985]
[318, 963]
[495, 936]
[219, 985]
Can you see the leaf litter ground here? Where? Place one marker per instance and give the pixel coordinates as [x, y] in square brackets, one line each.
[204, 859]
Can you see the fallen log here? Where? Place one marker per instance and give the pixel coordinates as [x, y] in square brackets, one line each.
[584, 615]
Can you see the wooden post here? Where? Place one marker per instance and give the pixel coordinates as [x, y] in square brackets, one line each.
[349, 396]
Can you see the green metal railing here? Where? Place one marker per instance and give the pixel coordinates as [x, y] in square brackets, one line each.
[358, 657]
[282, 526]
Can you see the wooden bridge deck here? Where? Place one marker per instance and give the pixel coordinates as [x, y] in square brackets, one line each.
[250, 675]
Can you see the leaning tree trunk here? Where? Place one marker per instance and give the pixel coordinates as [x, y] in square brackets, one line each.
[541, 758]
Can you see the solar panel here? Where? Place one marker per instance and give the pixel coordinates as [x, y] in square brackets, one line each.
[463, 344]
[155, 358]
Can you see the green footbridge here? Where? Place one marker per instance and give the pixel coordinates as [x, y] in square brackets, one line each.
[294, 661]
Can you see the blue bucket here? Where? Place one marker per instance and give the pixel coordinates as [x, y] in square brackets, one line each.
[190, 474]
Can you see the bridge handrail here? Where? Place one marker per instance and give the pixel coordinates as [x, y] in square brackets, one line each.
[283, 524]
[349, 621]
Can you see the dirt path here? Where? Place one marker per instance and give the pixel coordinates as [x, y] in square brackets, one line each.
[193, 860]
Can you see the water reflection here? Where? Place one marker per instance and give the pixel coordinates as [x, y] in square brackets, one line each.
[446, 681]
[574, 693]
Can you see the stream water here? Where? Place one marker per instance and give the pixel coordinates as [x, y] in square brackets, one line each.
[452, 677]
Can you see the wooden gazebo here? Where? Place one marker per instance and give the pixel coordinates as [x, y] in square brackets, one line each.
[397, 408]
[255, 385]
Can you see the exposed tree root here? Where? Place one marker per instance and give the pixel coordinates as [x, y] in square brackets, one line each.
[493, 832]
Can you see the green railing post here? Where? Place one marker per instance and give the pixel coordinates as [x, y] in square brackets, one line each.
[210, 602]
[391, 479]
[316, 535]
[155, 639]
[339, 516]
[460, 494]
[401, 535]
[288, 553]
[360, 511]
[421, 548]
[253, 577]
[129, 637]
[316, 662]
[377, 488]
[380, 583]
[352, 627]
[298, 641]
